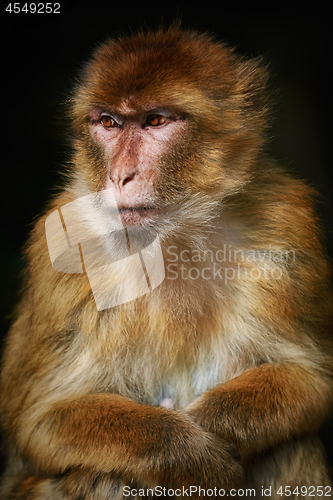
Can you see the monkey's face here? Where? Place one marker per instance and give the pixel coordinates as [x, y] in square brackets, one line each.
[135, 141]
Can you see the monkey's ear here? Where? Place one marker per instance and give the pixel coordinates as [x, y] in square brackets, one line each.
[251, 88]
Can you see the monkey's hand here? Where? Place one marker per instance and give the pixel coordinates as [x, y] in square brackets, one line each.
[189, 457]
[144, 445]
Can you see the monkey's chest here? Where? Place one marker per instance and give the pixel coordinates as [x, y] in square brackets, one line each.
[171, 362]
[182, 387]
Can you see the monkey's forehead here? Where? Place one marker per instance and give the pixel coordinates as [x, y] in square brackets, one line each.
[155, 63]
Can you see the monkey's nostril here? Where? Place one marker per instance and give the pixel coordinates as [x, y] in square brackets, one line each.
[127, 179]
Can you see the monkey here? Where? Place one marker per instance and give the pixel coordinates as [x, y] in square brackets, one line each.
[172, 334]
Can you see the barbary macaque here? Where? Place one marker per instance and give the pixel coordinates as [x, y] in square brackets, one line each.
[173, 331]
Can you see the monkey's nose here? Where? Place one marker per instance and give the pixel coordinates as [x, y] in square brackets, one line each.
[120, 178]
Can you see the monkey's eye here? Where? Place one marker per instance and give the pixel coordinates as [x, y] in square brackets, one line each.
[155, 120]
[108, 122]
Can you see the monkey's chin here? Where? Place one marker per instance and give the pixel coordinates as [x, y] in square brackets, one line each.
[139, 216]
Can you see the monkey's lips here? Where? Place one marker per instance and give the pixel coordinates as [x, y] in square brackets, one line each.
[136, 215]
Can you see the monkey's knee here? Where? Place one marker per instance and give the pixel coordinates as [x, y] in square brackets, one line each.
[300, 466]
[76, 485]
[32, 488]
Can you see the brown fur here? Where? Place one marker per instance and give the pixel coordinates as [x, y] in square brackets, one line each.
[247, 362]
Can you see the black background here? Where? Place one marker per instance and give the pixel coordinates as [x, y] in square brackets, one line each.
[41, 54]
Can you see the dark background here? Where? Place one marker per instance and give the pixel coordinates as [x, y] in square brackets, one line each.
[41, 54]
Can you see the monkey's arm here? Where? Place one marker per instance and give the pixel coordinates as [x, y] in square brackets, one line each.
[265, 406]
[111, 433]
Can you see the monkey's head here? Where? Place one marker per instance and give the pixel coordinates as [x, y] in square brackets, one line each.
[165, 117]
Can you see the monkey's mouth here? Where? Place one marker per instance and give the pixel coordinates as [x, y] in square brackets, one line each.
[134, 209]
[136, 215]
